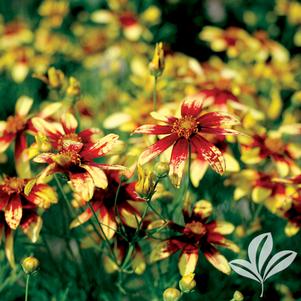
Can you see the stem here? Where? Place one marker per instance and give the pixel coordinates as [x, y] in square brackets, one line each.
[103, 233]
[155, 93]
[26, 288]
[262, 289]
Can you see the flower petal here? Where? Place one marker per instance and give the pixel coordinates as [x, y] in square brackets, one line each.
[217, 260]
[5, 141]
[157, 148]
[9, 247]
[100, 148]
[13, 212]
[51, 129]
[188, 261]
[22, 165]
[160, 117]
[69, 123]
[42, 195]
[98, 176]
[23, 105]
[192, 105]
[153, 129]
[212, 119]
[82, 185]
[177, 161]
[107, 222]
[32, 226]
[210, 153]
[220, 131]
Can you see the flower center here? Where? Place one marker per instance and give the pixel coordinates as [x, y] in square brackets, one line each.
[195, 228]
[13, 185]
[14, 124]
[185, 126]
[70, 143]
[275, 145]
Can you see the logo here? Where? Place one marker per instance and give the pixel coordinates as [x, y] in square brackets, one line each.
[260, 267]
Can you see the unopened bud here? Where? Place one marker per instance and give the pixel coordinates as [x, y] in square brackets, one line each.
[204, 208]
[74, 87]
[238, 296]
[161, 169]
[156, 66]
[187, 283]
[55, 78]
[145, 183]
[30, 264]
[171, 294]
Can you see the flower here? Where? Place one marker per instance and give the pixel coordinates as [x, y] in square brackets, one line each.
[74, 154]
[185, 133]
[19, 200]
[198, 234]
[111, 208]
[30, 264]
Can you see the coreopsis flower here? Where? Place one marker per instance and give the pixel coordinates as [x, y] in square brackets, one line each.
[112, 205]
[262, 147]
[261, 188]
[234, 40]
[15, 128]
[19, 200]
[74, 153]
[198, 234]
[186, 132]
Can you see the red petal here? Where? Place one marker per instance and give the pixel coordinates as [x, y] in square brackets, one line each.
[22, 165]
[177, 161]
[192, 105]
[5, 141]
[3, 198]
[217, 119]
[69, 123]
[153, 129]
[100, 148]
[13, 212]
[86, 135]
[210, 153]
[219, 131]
[157, 148]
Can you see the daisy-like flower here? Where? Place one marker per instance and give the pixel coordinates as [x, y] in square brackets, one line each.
[19, 200]
[186, 132]
[110, 209]
[15, 128]
[74, 154]
[198, 234]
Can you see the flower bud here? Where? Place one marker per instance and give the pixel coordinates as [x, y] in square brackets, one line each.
[145, 183]
[187, 283]
[156, 66]
[171, 294]
[30, 264]
[55, 78]
[161, 169]
[238, 296]
[74, 87]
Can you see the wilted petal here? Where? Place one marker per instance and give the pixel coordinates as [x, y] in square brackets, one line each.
[210, 153]
[157, 148]
[13, 212]
[31, 226]
[9, 247]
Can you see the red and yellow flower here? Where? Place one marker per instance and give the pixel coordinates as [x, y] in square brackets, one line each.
[19, 200]
[186, 133]
[198, 234]
[113, 204]
[74, 154]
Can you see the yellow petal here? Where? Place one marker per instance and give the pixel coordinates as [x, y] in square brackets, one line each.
[259, 194]
[187, 263]
[23, 105]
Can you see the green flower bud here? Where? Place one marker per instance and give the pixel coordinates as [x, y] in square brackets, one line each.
[161, 169]
[171, 294]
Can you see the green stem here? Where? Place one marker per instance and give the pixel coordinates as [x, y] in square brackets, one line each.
[155, 93]
[103, 233]
[27, 286]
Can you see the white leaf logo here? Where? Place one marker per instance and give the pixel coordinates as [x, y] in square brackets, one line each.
[259, 250]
